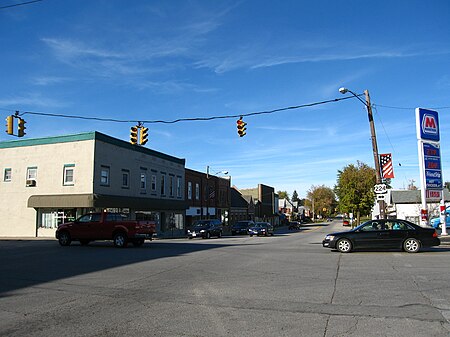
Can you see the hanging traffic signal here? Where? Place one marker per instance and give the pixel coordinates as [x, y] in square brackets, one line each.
[241, 127]
[10, 125]
[21, 128]
[134, 135]
[143, 136]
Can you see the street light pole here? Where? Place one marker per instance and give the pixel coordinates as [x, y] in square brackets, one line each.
[381, 203]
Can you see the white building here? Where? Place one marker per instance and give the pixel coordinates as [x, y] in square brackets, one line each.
[406, 204]
[48, 181]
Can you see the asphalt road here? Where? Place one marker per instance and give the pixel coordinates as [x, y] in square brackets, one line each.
[286, 285]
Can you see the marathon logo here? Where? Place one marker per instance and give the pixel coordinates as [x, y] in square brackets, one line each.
[429, 125]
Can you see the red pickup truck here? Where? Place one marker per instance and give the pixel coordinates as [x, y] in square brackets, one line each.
[105, 226]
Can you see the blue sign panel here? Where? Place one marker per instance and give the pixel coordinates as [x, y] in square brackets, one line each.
[432, 161]
[429, 124]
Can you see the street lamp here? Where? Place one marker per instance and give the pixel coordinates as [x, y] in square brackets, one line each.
[208, 189]
[374, 141]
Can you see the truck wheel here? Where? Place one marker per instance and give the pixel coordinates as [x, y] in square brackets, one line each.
[120, 240]
[138, 242]
[64, 239]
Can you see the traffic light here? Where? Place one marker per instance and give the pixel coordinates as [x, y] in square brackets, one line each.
[21, 128]
[241, 127]
[134, 135]
[10, 125]
[143, 136]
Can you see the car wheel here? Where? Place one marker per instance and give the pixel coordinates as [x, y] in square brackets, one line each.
[411, 245]
[120, 240]
[344, 246]
[208, 235]
[220, 234]
[84, 242]
[64, 239]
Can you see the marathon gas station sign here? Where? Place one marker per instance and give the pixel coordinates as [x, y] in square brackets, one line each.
[428, 138]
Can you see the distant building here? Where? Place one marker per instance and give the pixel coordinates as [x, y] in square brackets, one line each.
[48, 181]
[207, 197]
[406, 204]
[242, 206]
[266, 203]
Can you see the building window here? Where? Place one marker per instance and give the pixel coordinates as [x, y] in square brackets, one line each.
[31, 173]
[125, 179]
[163, 184]
[143, 181]
[153, 183]
[197, 192]
[190, 190]
[171, 186]
[179, 187]
[104, 176]
[7, 175]
[68, 175]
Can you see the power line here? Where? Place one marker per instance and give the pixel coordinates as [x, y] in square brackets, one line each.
[185, 119]
[406, 108]
[21, 4]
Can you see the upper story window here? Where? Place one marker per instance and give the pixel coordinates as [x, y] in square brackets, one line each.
[153, 183]
[68, 175]
[163, 184]
[171, 187]
[104, 176]
[7, 176]
[189, 190]
[125, 179]
[197, 192]
[31, 173]
[179, 187]
[143, 181]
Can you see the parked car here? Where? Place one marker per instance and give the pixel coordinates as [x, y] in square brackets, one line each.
[391, 233]
[261, 228]
[105, 226]
[241, 227]
[205, 229]
[294, 225]
[436, 222]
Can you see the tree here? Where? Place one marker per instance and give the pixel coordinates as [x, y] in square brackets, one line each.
[321, 199]
[354, 189]
[295, 196]
[283, 195]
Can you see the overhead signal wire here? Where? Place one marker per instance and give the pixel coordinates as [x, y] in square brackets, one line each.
[21, 4]
[186, 119]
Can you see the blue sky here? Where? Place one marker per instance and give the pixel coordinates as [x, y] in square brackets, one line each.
[164, 60]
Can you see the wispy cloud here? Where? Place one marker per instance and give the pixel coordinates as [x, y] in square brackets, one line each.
[34, 100]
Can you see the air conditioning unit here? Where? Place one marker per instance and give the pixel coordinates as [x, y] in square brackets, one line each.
[31, 182]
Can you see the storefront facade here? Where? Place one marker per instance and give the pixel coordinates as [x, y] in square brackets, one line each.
[49, 181]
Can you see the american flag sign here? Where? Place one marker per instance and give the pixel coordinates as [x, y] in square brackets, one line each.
[387, 169]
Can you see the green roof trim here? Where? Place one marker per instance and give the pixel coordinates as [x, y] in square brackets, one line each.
[95, 135]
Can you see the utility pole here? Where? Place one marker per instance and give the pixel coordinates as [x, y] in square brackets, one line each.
[381, 203]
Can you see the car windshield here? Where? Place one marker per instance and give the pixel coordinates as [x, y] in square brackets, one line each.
[362, 225]
[200, 224]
